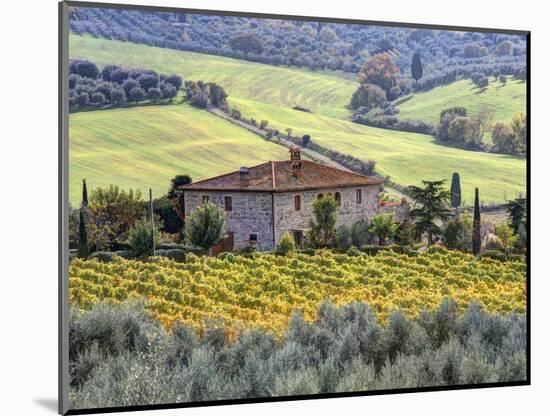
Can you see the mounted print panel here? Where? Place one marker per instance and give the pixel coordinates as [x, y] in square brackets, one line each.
[261, 208]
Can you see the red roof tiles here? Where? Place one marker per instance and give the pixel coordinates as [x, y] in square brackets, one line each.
[281, 176]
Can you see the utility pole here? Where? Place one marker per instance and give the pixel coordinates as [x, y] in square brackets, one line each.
[152, 222]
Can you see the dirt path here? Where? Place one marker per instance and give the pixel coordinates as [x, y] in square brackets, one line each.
[312, 154]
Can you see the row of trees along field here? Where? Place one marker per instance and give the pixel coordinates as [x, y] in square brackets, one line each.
[315, 45]
[91, 87]
[114, 220]
[114, 85]
[380, 86]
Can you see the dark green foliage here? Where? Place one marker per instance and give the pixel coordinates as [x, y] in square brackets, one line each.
[319, 46]
[204, 227]
[476, 231]
[416, 66]
[458, 233]
[176, 195]
[384, 227]
[119, 356]
[166, 210]
[343, 237]
[405, 233]
[445, 119]
[368, 96]
[204, 95]
[84, 194]
[360, 233]
[517, 213]
[456, 193]
[247, 43]
[141, 239]
[322, 232]
[83, 249]
[431, 206]
[136, 94]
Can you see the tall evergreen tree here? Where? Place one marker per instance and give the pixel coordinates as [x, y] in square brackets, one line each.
[83, 250]
[517, 213]
[456, 193]
[476, 232]
[416, 66]
[84, 194]
[431, 207]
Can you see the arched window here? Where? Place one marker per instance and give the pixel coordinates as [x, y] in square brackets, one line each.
[319, 196]
[338, 198]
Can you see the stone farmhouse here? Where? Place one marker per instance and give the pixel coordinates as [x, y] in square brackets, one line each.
[263, 202]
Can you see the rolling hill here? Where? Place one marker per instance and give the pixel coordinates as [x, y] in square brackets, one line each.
[269, 92]
[145, 147]
[406, 157]
[504, 100]
[323, 92]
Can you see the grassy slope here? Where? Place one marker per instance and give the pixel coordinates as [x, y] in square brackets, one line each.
[406, 157]
[144, 147]
[504, 99]
[268, 92]
[322, 92]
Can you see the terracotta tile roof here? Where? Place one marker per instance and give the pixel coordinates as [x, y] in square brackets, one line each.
[281, 176]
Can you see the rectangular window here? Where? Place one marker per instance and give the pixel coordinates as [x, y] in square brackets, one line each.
[205, 199]
[228, 203]
[297, 202]
[253, 239]
[358, 196]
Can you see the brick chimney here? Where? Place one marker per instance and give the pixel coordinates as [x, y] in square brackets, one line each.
[295, 158]
[244, 174]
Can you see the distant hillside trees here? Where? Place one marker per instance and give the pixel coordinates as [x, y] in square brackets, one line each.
[114, 85]
[505, 48]
[475, 50]
[511, 138]
[314, 45]
[368, 96]
[206, 94]
[380, 70]
[458, 129]
[416, 66]
[247, 43]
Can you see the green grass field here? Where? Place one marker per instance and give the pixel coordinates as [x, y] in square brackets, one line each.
[144, 147]
[322, 92]
[504, 100]
[269, 92]
[406, 157]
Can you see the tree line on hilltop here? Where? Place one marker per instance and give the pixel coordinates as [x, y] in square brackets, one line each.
[315, 45]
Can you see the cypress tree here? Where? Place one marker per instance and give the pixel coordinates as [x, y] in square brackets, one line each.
[84, 193]
[456, 193]
[83, 250]
[476, 232]
[416, 66]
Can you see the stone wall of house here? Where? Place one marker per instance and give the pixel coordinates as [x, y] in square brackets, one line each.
[251, 214]
[287, 218]
[401, 209]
